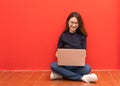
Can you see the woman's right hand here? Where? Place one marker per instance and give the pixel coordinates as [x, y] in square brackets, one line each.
[56, 54]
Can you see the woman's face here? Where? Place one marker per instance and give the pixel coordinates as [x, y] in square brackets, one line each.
[73, 24]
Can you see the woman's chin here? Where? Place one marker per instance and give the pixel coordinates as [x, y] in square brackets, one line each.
[73, 30]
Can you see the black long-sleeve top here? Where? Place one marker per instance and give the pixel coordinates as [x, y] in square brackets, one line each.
[72, 41]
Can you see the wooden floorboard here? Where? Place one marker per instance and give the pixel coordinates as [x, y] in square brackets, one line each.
[41, 78]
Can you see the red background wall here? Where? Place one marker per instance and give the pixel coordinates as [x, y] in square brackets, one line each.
[29, 31]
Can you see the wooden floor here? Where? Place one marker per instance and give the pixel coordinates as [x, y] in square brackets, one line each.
[41, 78]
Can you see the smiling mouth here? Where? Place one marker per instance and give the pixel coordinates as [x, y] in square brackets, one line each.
[73, 27]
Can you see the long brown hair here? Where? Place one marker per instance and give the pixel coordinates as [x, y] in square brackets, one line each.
[81, 28]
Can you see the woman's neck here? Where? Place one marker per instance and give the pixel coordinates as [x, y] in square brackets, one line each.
[72, 31]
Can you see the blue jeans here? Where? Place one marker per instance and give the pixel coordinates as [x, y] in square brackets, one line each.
[71, 72]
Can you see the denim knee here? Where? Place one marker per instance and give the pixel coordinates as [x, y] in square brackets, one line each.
[53, 65]
[87, 68]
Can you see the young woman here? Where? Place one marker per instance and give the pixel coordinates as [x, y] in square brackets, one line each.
[73, 37]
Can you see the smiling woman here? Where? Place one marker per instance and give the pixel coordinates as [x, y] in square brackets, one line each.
[73, 38]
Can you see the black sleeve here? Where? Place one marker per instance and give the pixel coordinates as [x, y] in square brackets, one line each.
[60, 42]
[84, 43]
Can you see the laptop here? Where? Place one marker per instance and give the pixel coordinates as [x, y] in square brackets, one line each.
[71, 57]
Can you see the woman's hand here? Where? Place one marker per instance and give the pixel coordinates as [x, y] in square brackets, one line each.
[56, 54]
